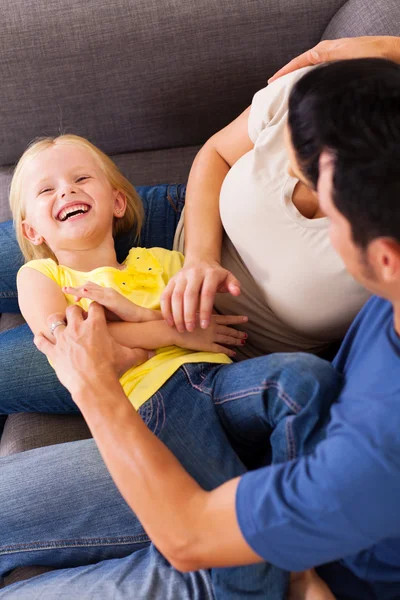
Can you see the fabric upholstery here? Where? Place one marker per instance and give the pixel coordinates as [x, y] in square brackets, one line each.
[358, 17]
[31, 430]
[143, 74]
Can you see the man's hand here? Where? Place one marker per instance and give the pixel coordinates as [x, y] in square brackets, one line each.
[328, 50]
[84, 351]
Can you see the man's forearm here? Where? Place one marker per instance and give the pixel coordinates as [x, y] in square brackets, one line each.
[194, 529]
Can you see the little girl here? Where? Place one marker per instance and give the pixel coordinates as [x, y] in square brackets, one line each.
[68, 201]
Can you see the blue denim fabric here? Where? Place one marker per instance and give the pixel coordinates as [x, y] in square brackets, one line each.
[143, 575]
[162, 204]
[280, 401]
[35, 386]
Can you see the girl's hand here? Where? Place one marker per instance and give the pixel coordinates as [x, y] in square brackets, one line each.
[328, 50]
[219, 332]
[193, 289]
[118, 308]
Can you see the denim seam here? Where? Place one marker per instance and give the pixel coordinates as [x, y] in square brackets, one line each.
[291, 442]
[8, 295]
[199, 388]
[170, 200]
[253, 391]
[88, 542]
[160, 400]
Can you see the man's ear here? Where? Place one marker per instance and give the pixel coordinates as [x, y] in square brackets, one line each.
[119, 204]
[30, 233]
[386, 256]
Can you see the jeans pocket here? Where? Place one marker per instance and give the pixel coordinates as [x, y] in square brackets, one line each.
[153, 413]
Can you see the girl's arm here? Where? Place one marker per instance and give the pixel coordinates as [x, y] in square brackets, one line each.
[195, 286]
[155, 334]
[39, 296]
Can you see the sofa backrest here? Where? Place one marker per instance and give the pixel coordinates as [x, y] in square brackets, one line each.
[148, 81]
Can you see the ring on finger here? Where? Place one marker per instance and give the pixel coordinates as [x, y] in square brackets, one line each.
[56, 324]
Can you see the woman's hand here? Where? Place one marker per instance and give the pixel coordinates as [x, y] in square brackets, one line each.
[210, 339]
[359, 47]
[118, 308]
[193, 289]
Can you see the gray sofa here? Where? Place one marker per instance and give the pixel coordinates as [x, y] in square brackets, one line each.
[148, 81]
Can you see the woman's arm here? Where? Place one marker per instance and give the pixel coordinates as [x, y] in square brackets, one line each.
[202, 275]
[359, 47]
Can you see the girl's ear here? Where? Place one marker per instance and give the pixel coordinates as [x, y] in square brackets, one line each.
[31, 234]
[119, 204]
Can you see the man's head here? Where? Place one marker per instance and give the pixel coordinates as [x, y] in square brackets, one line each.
[344, 125]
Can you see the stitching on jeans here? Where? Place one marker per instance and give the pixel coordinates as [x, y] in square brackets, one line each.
[253, 391]
[85, 542]
[8, 295]
[199, 388]
[170, 200]
[291, 443]
[161, 401]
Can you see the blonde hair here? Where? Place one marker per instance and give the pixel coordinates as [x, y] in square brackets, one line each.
[133, 216]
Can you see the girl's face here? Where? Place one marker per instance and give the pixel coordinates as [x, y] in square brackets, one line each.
[68, 201]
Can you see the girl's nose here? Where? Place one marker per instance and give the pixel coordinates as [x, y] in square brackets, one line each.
[64, 192]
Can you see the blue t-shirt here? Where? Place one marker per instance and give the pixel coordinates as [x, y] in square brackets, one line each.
[342, 501]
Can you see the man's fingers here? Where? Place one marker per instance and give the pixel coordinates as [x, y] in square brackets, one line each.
[43, 344]
[95, 312]
[56, 323]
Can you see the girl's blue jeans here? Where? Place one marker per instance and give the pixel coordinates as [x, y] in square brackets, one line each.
[59, 506]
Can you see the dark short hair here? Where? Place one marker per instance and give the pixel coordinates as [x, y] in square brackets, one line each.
[352, 109]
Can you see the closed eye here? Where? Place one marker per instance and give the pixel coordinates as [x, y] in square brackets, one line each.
[45, 190]
[82, 178]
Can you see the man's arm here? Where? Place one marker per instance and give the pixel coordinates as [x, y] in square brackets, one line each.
[193, 528]
[202, 527]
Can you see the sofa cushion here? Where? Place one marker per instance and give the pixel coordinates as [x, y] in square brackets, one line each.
[358, 17]
[25, 431]
[134, 76]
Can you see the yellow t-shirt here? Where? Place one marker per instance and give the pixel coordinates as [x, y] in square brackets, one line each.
[146, 274]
